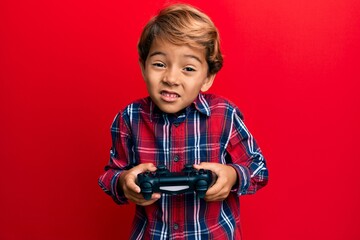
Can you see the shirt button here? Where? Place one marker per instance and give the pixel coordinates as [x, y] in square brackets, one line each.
[176, 226]
[176, 158]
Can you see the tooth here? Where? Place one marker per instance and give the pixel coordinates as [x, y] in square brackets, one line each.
[172, 95]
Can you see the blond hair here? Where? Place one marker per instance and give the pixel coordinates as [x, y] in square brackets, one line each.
[183, 24]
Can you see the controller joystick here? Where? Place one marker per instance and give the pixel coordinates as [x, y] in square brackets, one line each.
[188, 168]
[162, 170]
[164, 181]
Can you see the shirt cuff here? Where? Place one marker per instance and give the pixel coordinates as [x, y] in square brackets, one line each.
[243, 179]
[116, 190]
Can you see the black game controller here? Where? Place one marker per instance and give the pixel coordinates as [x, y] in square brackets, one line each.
[164, 181]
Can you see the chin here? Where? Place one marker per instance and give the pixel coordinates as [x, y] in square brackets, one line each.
[170, 110]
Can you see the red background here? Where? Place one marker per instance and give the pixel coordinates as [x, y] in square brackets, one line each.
[67, 67]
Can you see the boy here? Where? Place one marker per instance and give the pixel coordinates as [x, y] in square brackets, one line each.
[178, 124]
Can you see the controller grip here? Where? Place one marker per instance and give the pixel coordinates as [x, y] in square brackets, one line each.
[146, 190]
[201, 188]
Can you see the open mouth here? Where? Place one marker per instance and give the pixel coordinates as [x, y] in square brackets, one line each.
[169, 96]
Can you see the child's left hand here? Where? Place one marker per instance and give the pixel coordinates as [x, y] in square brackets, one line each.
[226, 179]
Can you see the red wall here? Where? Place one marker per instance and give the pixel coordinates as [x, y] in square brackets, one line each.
[67, 67]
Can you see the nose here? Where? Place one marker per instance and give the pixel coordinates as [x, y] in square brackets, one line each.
[171, 77]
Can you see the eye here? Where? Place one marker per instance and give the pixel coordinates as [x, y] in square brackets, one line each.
[158, 65]
[189, 69]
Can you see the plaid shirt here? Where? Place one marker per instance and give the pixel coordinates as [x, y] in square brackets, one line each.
[210, 130]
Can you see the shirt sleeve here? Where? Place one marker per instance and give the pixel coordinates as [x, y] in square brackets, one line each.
[120, 155]
[246, 157]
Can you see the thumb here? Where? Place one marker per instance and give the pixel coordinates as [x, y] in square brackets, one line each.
[133, 174]
[143, 168]
[204, 165]
[214, 167]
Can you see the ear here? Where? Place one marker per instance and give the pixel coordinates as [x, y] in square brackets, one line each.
[208, 82]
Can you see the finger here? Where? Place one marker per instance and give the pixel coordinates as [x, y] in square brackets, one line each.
[143, 168]
[139, 199]
[218, 196]
[204, 165]
[147, 202]
[130, 182]
[133, 173]
[213, 167]
[215, 189]
[219, 191]
[132, 186]
[156, 196]
[134, 197]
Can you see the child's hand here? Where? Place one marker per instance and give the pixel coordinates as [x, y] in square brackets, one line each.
[131, 190]
[226, 178]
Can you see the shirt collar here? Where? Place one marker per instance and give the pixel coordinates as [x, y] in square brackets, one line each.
[200, 104]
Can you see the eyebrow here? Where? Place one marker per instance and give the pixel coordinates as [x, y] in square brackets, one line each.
[185, 55]
[157, 53]
[194, 57]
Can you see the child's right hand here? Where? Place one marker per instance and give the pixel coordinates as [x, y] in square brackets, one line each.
[131, 190]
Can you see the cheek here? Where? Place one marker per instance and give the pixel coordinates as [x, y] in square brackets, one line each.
[149, 85]
[153, 76]
[193, 89]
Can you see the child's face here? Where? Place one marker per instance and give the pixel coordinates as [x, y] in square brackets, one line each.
[175, 74]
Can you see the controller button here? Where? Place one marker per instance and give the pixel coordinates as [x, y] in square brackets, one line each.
[161, 168]
[188, 169]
